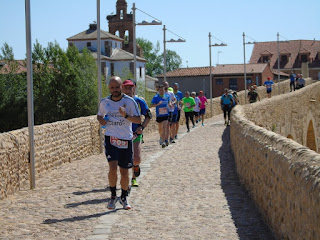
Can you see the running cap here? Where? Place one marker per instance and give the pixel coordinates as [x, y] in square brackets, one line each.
[127, 83]
[201, 91]
[193, 93]
[177, 84]
[170, 89]
[269, 78]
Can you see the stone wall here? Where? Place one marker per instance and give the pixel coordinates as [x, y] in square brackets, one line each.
[281, 175]
[55, 144]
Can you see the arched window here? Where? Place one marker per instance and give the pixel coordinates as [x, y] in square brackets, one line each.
[126, 37]
[311, 138]
[117, 33]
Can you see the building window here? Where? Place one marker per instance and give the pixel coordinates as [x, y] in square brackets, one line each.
[233, 84]
[121, 14]
[284, 58]
[249, 80]
[131, 68]
[304, 58]
[107, 48]
[112, 69]
[219, 81]
[265, 59]
[116, 45]
[140, 69]
[88, 44]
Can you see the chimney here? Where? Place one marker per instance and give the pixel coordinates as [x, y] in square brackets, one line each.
[93, 26]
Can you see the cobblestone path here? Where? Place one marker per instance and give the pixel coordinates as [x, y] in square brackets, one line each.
[189, 190]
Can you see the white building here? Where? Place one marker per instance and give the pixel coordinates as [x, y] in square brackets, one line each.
[114, 60]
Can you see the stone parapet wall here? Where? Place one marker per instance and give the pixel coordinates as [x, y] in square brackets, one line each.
[281, 175]
[54, 144]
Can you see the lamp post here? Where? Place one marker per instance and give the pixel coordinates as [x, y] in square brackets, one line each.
[244, 65]
[210, 80]
[134, 24]
[278, 49]
[164, 50]
[99, 70]
[30, 95]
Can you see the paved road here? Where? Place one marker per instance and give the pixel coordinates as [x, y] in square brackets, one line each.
[189, 190]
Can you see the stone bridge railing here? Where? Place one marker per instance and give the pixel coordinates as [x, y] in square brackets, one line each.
[282, 175]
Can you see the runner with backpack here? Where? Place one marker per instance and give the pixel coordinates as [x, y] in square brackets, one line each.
[227, 102]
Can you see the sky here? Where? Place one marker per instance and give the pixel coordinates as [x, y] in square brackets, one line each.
[193, 20]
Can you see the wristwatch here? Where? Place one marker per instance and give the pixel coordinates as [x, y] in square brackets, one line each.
[126, 116]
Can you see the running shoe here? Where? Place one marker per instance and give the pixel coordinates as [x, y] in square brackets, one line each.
[176, 136]
[112, 203]
[193, 126]
[228, 124]
[163, 145]
[188, 130]
[225, 122]
[172, 141]
[196, 121]
[124, 203]
[202, 124]
[136, 170]
[134, 183]
[167, 143]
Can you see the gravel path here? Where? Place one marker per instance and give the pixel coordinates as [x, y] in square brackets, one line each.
[187, 191]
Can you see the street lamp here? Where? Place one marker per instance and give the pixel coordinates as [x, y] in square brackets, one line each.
[134, 24]
[164, 49]
[278, 47]
[210, 81]
[244, 65]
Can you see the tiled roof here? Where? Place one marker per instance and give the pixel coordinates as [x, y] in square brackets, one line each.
[232, 69]
[119, 55]
[187, 72]
[92, 35]
[20, 68]
[293, 48]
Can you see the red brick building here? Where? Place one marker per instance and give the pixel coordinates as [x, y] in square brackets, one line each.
[293, 55]
[231, 76]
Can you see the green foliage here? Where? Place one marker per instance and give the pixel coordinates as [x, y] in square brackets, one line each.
[154, 65]
[64, 83]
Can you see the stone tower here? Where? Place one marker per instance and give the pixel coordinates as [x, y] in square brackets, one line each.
[121, 22]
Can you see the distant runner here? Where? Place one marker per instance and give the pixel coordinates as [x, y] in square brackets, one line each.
[179, 96]
[226, 103]
[268, 85]
[188, 103]
[196, 109]
[161, 102]
[203, 101]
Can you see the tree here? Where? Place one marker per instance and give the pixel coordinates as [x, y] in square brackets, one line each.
[154, 65]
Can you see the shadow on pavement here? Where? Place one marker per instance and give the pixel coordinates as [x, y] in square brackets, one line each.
[244, 213]
[92, 191]
[89, 202]
[78, 218]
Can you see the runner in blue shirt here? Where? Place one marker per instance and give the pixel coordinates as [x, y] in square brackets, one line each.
[161, 101]
[226, 102]
[179, 96]
[128, 87]
[269, 84]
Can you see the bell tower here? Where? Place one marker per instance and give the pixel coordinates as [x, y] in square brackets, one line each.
[121, 23]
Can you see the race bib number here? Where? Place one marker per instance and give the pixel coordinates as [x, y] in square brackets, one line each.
[163, 111]
[188, 104]
[118, 143]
